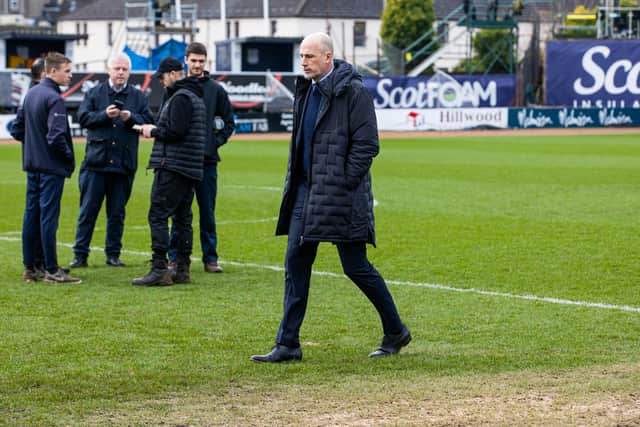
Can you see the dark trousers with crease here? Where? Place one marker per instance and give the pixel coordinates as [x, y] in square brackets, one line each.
[298, 263]
[95, 187]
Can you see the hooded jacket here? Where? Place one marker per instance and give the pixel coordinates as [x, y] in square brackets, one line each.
[180, 132]
[339, 203]
[220, 123]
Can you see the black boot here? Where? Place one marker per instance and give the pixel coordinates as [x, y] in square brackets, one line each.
[160, 275]
[181, 273]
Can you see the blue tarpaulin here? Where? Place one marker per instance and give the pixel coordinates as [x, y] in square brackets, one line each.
[138, 62]
[170, 48]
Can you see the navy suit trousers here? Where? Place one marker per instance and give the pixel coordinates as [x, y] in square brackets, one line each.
[298, 263]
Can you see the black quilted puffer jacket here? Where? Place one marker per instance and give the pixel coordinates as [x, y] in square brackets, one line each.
[339, 203]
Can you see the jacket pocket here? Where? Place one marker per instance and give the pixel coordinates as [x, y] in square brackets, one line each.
[96, 153]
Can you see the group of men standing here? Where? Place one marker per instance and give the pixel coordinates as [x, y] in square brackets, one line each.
[115, 114]
[327, 195]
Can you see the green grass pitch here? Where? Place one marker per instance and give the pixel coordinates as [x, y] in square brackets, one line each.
[510, 258]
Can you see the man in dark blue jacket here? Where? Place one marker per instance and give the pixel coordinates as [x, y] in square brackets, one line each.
[109, 111]
[220, 126]
[47, 157]
[327, 194]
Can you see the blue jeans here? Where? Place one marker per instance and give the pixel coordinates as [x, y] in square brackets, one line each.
[206, 191]
[95, 187]
[41, 215]
[297, 271]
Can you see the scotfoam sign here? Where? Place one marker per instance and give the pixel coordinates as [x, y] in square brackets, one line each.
[603, 74]
[441, 91]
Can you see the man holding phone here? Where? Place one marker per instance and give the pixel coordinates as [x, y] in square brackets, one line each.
[109, 111]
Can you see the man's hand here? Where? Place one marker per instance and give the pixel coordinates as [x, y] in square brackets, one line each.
[124, 115]
[112, 111]
[146, 130]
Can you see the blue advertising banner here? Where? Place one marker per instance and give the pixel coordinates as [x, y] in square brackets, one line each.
[521, 118]
[595, 73]
[442, 91]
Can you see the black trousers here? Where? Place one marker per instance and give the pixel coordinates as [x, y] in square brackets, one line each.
[171, 197]
[298, 263]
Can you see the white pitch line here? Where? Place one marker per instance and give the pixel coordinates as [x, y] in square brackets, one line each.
[435, 286]
[254, 187]
[195, 225]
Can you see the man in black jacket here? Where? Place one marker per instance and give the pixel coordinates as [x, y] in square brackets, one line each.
[108, 111]
[327, 195]
[220, 126]
[47, 157]
[177, 158]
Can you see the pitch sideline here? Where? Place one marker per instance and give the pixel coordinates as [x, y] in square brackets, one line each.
[435, 286]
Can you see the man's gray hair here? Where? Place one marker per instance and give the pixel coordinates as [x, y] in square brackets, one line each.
[116, 56]
[326, 43]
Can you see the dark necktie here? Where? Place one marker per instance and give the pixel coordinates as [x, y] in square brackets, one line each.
[308, 123]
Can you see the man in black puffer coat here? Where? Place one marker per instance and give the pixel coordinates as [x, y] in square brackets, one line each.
[327, 194]
[177, 157]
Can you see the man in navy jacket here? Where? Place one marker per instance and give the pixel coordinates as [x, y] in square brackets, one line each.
[109, 111]
[327, 195]
[47, 157]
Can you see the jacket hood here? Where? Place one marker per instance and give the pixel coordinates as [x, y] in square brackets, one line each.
[189, 83]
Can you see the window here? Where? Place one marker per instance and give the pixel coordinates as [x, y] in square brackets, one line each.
[237, 28]
[85, 34]
[228, 29]
[79, 41]
[274, 27]
[359, 33]
[110, 33]
[14, 5]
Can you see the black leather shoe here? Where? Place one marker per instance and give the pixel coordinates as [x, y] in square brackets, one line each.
[391, 344]
[279, 353]
[115, 262]
[78, 262]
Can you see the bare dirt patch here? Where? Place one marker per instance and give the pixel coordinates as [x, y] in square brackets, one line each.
[595, 397]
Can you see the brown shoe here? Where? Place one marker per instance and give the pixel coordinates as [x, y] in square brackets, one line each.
[60, 277]
[212, 267]
[30, 275]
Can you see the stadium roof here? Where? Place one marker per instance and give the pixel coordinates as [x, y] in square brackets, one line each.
[210, 9]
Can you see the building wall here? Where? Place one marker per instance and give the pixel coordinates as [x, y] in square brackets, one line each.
[92, 56]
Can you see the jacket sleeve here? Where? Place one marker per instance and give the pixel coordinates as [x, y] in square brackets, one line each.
[363, 136]
[142, 114]
[224, 110]
[17, 129]
[90, 115]
[179, 113]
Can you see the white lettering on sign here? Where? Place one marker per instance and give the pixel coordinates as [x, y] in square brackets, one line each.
[605, 78]
[448, 94]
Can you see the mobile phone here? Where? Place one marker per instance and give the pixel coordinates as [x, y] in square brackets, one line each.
[119, 104]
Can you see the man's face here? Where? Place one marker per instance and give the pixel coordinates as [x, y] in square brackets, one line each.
[169, 79]
[119, 72]
[195, 64]
[62, 75]
[315, 62]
